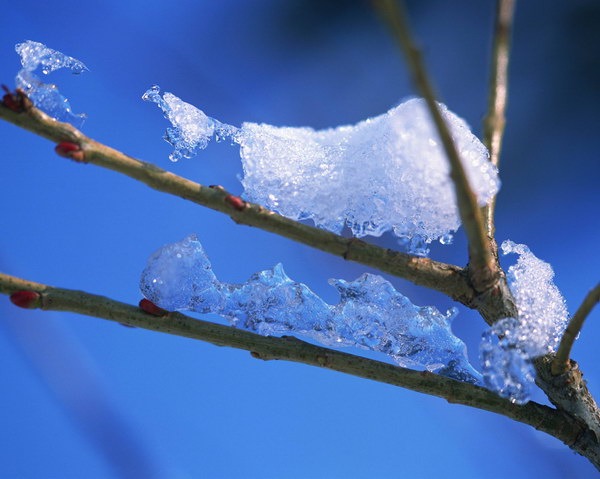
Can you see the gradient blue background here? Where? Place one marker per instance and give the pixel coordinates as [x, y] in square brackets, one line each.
[86, 398]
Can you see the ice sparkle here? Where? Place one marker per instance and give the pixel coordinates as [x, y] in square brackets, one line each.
[542, 319]
[386, 173]
[370, 315]
[45, 96]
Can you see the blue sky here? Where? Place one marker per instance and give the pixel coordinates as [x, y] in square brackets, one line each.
[86, 398]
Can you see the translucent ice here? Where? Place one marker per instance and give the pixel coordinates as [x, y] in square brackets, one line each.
[506, 369]
[387, 173]
[371, 314]
[542, 319]
[192, 129]
[46, 96]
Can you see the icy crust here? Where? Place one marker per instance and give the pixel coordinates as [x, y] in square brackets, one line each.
[543, 314]
[507, 370]
[387, 173]
[46, 96]
[192, 129]
[543, 317]
[371, 314]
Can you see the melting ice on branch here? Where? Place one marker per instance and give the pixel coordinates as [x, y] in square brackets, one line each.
[192, 129]
[371, 314]
[46, 96]
[542, 319]
[387, 173]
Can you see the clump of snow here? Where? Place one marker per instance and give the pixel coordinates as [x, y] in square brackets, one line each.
[371, 314]
[387, 173]
[542, 319]
[46, 96]
[543, 314]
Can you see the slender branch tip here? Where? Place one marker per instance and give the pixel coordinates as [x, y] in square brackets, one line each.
[560, 363]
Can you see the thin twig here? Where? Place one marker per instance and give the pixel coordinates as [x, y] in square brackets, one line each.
[288, 348]
[560, 364]
[482, 268]
[495, 119]
[446, 278]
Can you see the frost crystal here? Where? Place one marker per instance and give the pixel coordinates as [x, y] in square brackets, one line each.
[542, 319]
[371, 314]
[192, 129]
[542, 309]
[387, 173]
[46, 96]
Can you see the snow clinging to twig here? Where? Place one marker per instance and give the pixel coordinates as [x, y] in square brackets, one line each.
[387, 173]
[46, 96]
[371, 314]
[542, 319]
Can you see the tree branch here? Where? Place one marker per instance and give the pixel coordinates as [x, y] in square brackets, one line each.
[482, 267]
[560, 364]
[494, 300]
[445, 278]
[495, 120]
[562, 380]
[559, 378]
[543, 418]
[576, 420]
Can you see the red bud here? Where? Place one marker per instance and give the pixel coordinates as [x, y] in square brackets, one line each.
[26, 299]
[217, 187]
[151, 308]
[235, 201]
[13, 102]
[66, 149]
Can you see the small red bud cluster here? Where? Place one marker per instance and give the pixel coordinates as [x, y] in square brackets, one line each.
[13, 101]
[67, 149]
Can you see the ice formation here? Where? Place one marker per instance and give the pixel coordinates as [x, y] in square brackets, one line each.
[46, 96]
[542, 319]
[387, 173]
[371, 314]
[192, 129]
